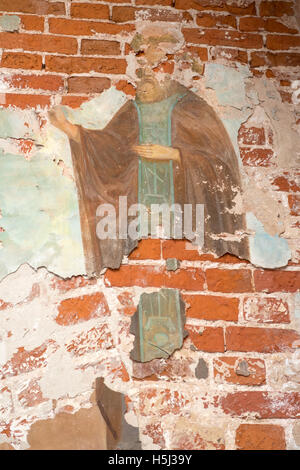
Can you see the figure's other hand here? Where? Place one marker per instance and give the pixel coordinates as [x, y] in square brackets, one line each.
[157, 152]
[59, 120]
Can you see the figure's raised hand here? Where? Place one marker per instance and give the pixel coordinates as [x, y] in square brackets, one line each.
[59, 120]
[157, 152]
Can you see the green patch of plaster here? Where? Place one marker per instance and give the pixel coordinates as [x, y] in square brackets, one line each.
[10, 23]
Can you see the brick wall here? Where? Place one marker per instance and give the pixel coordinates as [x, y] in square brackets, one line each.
[235, 382]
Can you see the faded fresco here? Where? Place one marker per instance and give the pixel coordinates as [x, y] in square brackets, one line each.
[170, 144]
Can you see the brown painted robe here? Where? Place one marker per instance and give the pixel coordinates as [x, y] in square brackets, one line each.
[106, 167]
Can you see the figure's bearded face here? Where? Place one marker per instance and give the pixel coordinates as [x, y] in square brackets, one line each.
[149, 89]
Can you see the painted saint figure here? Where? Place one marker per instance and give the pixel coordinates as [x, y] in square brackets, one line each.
[166, 146]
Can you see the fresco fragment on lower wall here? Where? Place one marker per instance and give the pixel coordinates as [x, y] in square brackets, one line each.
[38, 198]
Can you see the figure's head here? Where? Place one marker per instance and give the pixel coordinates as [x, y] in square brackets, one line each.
[152, 44]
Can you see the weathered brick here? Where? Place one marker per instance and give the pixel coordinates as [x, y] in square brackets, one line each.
[86, 28]
[234, 7]
[264, 405]
[19, 60]
[40, 7]
[294, 203]
[200, 52]
[198, 437]
[207, 20]
[147, 249]
[91, 341]
[264, 340]
[71, 65]
[162, 401]
[260, 437]
[275, 26]
[88, 84]
[74, 282]
[230, 54]
[209, 307]
[184, 250]
[256, 157]
[127, 303]
[26, 101]
[287, 183]
[126, 87]
[239, 370]
[215, 37]
[251, 24]
[266, 310]
[155, 276]
[31, 395]
[23, 361]
[37, 82]
[282, 42]
[166, 3]
[258, 59]
[38, 42]
[229, 280]
[73, 101]
[277, 281]
[252, 136]
[276, 8]
[209, 339]
[94, 47]
[83, 308]
[32, 22]
[90, 10]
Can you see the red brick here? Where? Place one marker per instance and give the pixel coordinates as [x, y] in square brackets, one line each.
[200, 52]
[229, 280]
[258, 59]
[159, 369]
[209, 307]
[266, 310]
[25, 6]
[207, 20]
[264, 405]
[147, 249]
[283, 59]
[94, 47]
[277, 281]
[97, 338]
[86, 28]
[88, 84]
[123, 14]
[208, 339]
[264, 340]
[275, 26]
[230, 54]
[155, 276]
[256, 157]
[226, 371]
[282, 42]
[56, 8]
[31, 395]
[164, 3]
[74, 101]
[216, 37]
[19, 60]
[38, 42]
[126, 87]
[37, 82]
[71, 65]
[287, 183]
[90, 10]
[26, 101]
[294, 203]
[234, 8]
[24, 361]
[260, 437]
[252, 24]
[269, 8]
[184, 250]
[83, 308]
[32, 22]
[252, 136]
